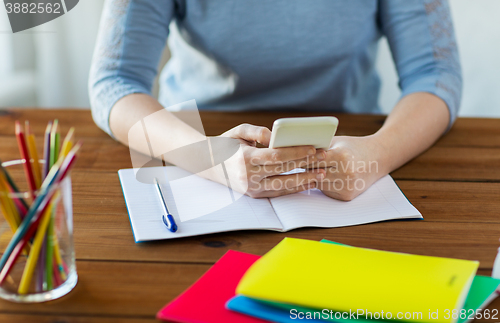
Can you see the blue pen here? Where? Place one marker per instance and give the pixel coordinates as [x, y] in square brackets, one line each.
[167, 218]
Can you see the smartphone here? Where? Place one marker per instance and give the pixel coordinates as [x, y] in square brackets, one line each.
[309, 131]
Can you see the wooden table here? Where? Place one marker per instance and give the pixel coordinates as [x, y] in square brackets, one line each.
[455, 185]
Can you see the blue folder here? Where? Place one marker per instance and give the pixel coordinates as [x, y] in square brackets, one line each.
[260, 310]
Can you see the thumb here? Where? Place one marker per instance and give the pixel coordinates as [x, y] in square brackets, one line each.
[251, 133]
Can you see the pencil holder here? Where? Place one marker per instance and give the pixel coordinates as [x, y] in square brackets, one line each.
[38, 256]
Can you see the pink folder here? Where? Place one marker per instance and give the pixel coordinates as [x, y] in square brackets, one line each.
[204, 301]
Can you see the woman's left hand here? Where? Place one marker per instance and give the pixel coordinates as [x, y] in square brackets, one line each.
[352, 165]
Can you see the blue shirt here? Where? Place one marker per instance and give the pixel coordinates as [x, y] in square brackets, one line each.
[233, 55]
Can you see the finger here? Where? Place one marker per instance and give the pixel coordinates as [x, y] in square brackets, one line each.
[276, 169]
[341, 195]
[252, 133]
[332, 194]
[331, 183]
[340, 186]
[318, 160]
[325, 159]
[297, 189]
[286, 182]
[270, 156]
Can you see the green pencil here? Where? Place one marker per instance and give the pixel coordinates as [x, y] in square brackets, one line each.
[56, 153]
[49, 254]
[53, 143]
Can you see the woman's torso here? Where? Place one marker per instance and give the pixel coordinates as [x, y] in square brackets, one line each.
[240, 55]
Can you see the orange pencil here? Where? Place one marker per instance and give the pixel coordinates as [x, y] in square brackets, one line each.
[35, 164]
[7, 206]
[27, 164]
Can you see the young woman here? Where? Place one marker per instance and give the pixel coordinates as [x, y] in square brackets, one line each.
[280, 54]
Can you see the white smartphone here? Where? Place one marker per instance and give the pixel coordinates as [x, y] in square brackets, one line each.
[313, 131]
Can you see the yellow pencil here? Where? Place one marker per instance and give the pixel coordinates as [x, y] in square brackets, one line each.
[67, 143]
[5, 187]
[31, 145]
[8, 208]
[35, 250]
[30, 140]
[6, 214]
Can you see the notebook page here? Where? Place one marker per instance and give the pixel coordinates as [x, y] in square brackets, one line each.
[382, 201]
[199, 206]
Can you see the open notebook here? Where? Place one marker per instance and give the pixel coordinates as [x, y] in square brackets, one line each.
[201, 206]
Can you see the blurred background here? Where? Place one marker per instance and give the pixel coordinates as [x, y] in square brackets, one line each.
[48, 66]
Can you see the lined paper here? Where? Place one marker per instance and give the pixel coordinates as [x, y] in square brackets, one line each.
[199, 206]
[382, 201]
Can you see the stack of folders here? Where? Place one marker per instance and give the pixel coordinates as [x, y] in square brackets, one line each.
[303, 280]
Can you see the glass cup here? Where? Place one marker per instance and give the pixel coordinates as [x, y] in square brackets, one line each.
[45, 269]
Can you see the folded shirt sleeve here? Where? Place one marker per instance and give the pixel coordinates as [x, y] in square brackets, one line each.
[422, 42]
[131, 39]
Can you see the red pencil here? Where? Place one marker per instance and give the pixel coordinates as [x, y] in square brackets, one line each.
[27, 164]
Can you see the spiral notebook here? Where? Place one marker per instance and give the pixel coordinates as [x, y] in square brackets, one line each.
[201, 206]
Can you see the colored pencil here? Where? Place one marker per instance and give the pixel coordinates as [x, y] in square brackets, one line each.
[35, 250]
[27, 164]
[17, 246]
[21, 237]
[50, 254]
[9, 209]
[40, 267]
[65, 165]
[57, 281]
[65, 267]
[59, 260]
[46, 150]
[58, 146]
[56, 175]
[53, 143]
[13, 185]
[20, 207]
[7, 215]
[34, 226]
[35, 164]
[55, 246]
[68, 142]
[60, 265]
[46, 167]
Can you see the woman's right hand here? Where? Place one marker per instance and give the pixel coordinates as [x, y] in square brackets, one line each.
[256, 171]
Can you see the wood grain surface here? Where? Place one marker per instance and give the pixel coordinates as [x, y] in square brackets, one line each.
[455, 185]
